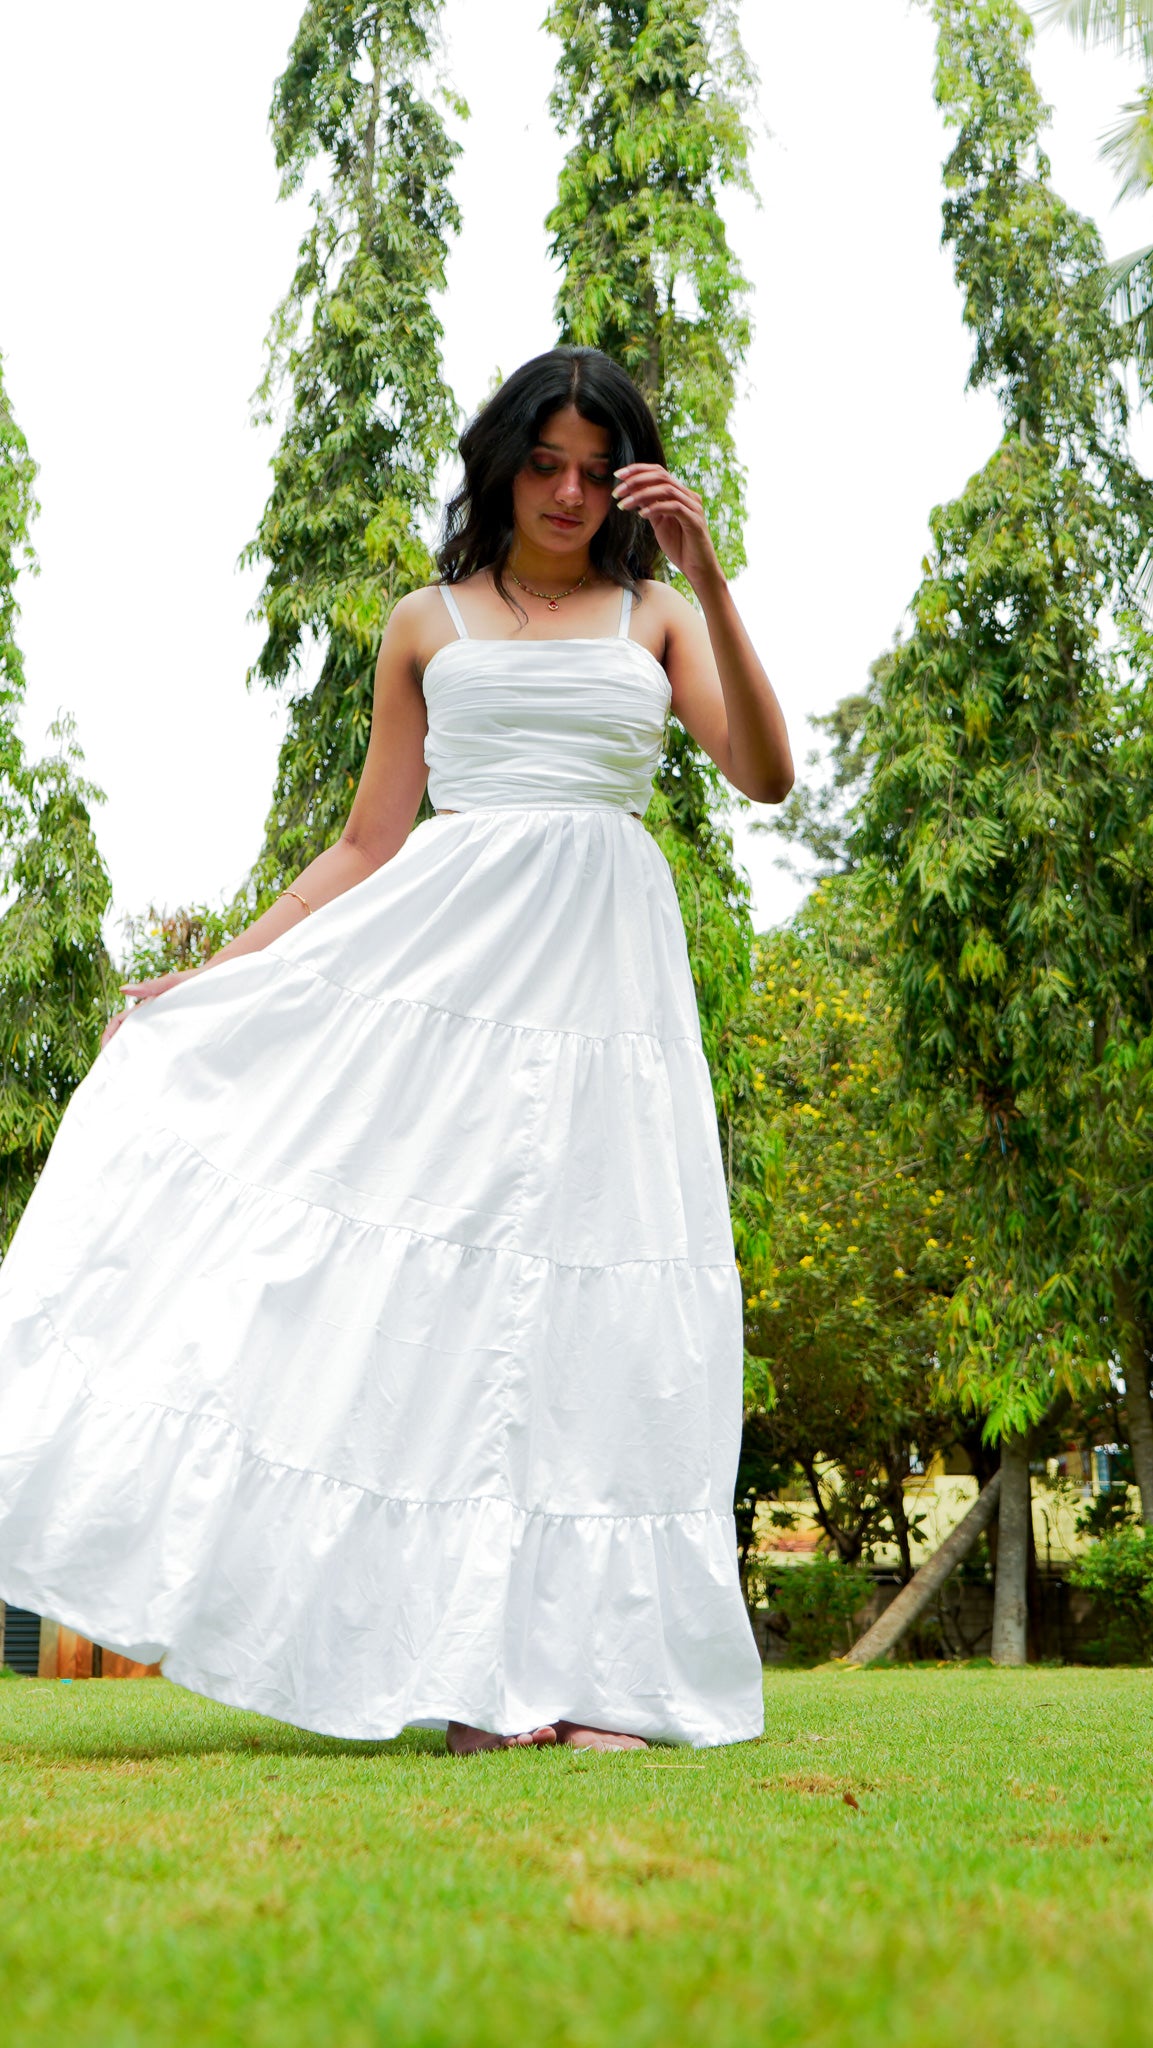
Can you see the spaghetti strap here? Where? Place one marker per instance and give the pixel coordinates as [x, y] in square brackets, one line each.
[454, 611]
[626, 614]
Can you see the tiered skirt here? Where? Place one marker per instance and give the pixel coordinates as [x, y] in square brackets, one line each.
[370, 1350]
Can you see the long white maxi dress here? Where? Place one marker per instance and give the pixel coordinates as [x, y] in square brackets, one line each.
[370, 1348]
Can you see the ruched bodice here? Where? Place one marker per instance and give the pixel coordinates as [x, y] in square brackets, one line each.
[549, 724]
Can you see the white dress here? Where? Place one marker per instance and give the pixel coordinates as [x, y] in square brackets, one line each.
[370, 1348]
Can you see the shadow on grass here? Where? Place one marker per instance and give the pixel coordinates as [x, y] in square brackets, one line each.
[168, 1722]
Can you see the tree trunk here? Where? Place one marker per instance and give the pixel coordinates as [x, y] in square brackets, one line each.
[1010, 1592]
[1139, 1415]
[1138, 1407]
[913, 1599]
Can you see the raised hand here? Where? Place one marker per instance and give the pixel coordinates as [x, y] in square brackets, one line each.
[676, 516]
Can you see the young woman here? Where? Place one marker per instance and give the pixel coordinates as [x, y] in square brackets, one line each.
[370, 1349]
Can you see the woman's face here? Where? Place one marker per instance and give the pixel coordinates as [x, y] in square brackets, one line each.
[564, 492]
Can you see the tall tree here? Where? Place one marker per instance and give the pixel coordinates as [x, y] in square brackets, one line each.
[651, 93]
[992, 813]
[849, 1247]
[56, 979]
[357, 344]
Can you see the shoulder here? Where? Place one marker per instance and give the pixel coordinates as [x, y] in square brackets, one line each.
[662, 602]
[418, 624]
[421, 608]
[667, 616]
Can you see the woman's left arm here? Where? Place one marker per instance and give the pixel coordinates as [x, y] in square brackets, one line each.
[721, 693]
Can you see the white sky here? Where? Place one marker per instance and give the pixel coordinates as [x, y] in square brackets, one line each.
[144, 251]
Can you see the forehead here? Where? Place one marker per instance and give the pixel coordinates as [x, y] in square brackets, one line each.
[569, 434]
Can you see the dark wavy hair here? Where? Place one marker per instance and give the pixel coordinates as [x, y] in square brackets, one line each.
[494, 447]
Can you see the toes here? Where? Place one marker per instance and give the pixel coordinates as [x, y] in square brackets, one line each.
[576, 1737]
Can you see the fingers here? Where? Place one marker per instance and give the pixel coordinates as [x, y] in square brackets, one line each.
[661, 494]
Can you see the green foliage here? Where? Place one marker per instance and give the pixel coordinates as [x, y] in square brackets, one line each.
[1126, 25]
[849, 1245]
[1105, 1513]
[652, 92]
[818, 814]
[1119, 1569]
[18, 508]
[357, 342]
[714, 897]
[993, 815]
[813, 1605]
[169, 941]
[56, 979]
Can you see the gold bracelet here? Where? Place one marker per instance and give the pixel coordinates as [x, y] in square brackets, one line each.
[299, 898]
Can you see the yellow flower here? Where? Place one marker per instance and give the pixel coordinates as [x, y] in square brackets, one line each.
[931, 1244]
[858, 1301]
[852, 1248]
[807, 1260]
[899, 1273]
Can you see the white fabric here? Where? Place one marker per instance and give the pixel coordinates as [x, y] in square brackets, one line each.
[371, 1345]
[453, 610]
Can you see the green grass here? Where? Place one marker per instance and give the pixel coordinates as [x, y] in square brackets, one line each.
[173, 1872]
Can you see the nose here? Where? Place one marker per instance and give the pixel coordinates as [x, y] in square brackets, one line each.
[570, 490]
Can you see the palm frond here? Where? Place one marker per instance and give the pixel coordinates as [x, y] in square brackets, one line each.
[1128, 292]
[1122, 24]
[1129, 146]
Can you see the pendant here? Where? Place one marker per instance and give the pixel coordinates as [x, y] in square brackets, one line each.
[554, 604]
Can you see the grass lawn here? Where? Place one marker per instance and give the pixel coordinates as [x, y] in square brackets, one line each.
[172, 1871]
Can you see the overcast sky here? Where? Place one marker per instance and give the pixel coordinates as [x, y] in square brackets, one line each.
[144, 249]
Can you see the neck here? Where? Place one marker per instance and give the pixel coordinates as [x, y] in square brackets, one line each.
[546, 570]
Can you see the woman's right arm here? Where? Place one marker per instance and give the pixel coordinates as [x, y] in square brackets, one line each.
[387, 799]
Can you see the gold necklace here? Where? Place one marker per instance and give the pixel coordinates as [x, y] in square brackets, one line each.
[550, 597]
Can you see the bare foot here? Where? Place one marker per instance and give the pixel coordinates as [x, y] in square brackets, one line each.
[465, 1741]
[576, 1737]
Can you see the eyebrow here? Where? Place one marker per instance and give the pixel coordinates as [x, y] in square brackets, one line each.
[556, 449]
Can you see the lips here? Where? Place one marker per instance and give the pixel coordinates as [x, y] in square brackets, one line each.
[567, 525]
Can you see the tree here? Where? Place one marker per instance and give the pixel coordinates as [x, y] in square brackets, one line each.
[849, 1246]
[56, 979]
[18, 509]
[992, 818]
[370, 417]
[819, 813]
[651, 92]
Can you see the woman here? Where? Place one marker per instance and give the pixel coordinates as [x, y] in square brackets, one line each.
[372, 1340]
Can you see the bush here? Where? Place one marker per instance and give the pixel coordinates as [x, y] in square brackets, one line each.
[813, 1607]
[1119, 1569]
